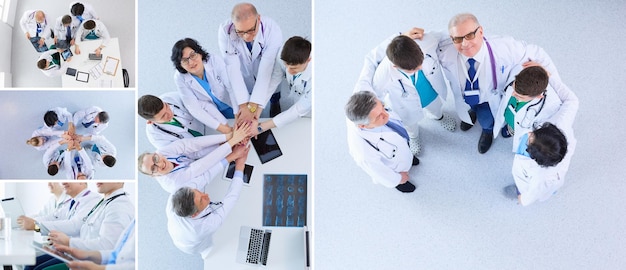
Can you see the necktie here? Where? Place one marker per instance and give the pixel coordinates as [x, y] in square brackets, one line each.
[38, 30]
[249, 45]
[72, 203]
[86, 125]
[472, 73]
[80, 18]
[78, 163]
[398, 129]
[68, 35]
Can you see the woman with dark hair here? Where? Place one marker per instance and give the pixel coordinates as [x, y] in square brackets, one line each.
[204, 85]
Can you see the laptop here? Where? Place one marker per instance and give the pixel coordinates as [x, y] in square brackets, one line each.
[12, 208]
[266, 146]
[307, 243]
[254, 245]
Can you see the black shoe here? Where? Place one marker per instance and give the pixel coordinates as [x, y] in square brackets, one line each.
[406, 187]
[467, 126]
[511, 192]
[485, 141]
[415, 161]
[505, 132]
[274, 109]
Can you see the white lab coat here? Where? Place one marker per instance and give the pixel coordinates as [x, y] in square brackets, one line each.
[52, 209]
[49, 135]
[104, 146]
[160, 135]
[251, 70]
[383, 170]
[198, 101]
[53, 70]
[88, 14]
[300, 95]
[60, 31]
[560, 107]
[380, 76]
[100, 31]
[190, 172]
[509, 54]
[69, 220]
[104, 226]
[28, 23]
[126, 257]
[71, 166]
[195, 234]
[89, 115]
[64, 117]
[536, 183]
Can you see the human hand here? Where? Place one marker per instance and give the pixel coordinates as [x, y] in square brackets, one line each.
[85, 265]
[74, 252]
[415, 33]
[242, 131]
[76, 49]
[26, 223]
[42, 42]
[404, 177]
[57, 237]
[27, 35]
[240, 163]
[224, 129]
[98, 51]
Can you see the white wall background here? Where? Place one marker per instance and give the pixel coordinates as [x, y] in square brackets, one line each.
[198, 20]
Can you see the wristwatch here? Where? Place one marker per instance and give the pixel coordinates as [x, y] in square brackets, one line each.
[37, 229]
[252, 108]
[259, 128]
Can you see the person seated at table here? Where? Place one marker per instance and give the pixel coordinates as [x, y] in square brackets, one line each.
[64, 32]
[192, 218]
[204, 86]
[82, 11]
[49, 63]
[36, 28]
[173, 168]
[92, 30]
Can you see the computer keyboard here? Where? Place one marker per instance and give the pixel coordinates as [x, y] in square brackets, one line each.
[254, 246]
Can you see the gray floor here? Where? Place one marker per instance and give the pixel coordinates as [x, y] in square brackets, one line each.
[458, 218]
[22, 112]
[198, 20]
[117, 15]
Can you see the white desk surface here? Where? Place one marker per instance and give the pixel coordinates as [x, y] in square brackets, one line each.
[19, 250]
[287, 244]
[82, 63]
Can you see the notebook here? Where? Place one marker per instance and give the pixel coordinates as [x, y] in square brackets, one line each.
[254, 245]
[12, 208]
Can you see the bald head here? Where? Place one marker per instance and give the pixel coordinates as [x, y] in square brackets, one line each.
[40, 16]
[243, 11]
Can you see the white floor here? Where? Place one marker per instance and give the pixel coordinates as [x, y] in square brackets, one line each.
[458, 218]
[117, 15]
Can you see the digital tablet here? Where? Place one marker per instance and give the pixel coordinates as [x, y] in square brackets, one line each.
[266, 146]
[82, 76]
[247, 173]
[66, 54]
[71, 71]
[12, 208]
[93, 56]
[52, 252]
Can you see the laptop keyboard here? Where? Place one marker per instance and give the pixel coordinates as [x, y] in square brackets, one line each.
[254, 246]
[266, 248]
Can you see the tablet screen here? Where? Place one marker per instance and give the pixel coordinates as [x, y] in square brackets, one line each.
[266, 146]
[247, 172]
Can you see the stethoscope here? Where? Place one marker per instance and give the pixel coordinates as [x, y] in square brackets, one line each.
[233, 36]
[404, 92]
[97, 208]
[525, 123]
[178, 160]
[171, 132]
[493, 68]
[299, 92]
[73, 210]
[58, 208]
[212, 208]
[381, 139]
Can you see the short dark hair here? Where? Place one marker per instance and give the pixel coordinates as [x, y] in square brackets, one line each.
[296, 51]
[405, 53]
[53, 169]
[182, 202]
[42, 63]
[90, 24]
[103, 117]
[359, 107]
[531, 81]
[67, 19]
[549, 145]
[177, 52]
[77, 9]
[50, 118]
[148, 106]
[109, 160]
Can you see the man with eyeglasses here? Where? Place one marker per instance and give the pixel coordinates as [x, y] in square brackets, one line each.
[192, 218]
[407, 71]
[249, 45]
[479, 68]
[378, 142]
[173, 167]
[533, 98]
[168, 119]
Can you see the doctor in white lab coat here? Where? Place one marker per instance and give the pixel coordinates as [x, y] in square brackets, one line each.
[172, 168]
[93, 119]
[61, 32]
[193, 232]
[78, 164]
[82, 11]
[68, 218]
[35, 26]
[204, 85]
[100, 150]
[380, 151]
[43, 137]
[92, 30]
[498, 60]
[57, 200]
[250, 68]
[398, 85]
[54, 157]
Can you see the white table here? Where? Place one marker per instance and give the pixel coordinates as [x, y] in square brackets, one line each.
[19, 250]
[82, 63]
[287, 243]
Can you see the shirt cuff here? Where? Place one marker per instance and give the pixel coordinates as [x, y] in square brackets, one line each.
[238, 174]
[224, 162]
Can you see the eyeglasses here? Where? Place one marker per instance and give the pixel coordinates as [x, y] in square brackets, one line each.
[155, 167]
[192, 56]
[249, 32]
[469, 36]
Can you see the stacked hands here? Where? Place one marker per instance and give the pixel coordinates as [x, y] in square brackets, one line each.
[72, 139]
